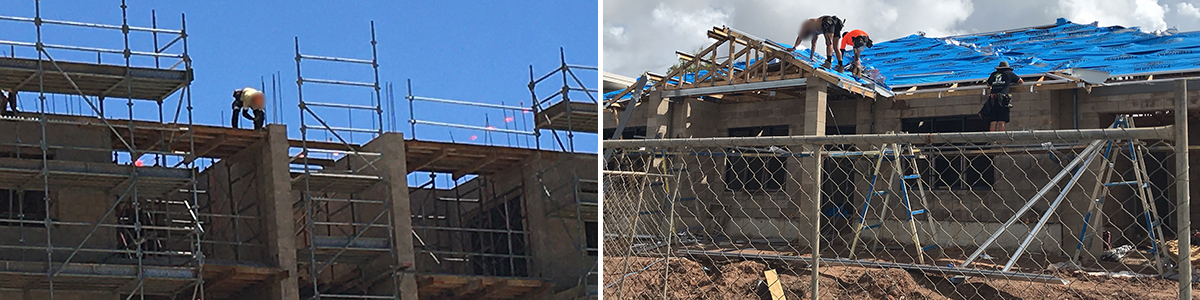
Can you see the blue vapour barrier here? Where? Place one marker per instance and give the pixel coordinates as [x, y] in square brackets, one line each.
[916, 60]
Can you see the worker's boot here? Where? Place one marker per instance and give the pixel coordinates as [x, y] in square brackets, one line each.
[826, 64]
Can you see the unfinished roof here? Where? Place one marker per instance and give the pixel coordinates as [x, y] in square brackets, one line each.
[918, 61]
[1056, 56]
[741, 64]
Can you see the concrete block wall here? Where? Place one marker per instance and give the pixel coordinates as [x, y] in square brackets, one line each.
[235, 180]
[552, 239]
[427, 210]
[27, 136]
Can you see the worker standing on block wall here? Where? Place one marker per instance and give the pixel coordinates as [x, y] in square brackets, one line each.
[860, 40]
[828, 26]
[999, 101]
[8, 101]
[246, 100]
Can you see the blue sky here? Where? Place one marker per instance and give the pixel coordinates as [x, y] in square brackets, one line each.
[477, 51]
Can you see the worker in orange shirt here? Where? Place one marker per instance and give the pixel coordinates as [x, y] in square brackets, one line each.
[860, 40]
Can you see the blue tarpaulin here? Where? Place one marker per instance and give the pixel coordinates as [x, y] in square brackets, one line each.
[915, 60]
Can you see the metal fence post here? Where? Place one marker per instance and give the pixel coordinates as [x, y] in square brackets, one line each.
[815, 239]
[1183, 201]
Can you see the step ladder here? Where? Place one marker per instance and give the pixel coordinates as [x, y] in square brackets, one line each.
[1075, 170]
[909, 179]
[1141, 187]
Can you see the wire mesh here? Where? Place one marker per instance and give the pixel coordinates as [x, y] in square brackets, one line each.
[1051, 214]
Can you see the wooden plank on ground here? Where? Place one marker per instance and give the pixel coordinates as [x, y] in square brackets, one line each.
[774, 285]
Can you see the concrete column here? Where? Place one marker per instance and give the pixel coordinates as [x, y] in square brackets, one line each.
[395, 175]
[816, 106]
[815, 111]
[275, 189]
[540, 245]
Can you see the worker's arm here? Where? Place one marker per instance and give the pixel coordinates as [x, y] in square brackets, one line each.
[797, 43]
[812, 49]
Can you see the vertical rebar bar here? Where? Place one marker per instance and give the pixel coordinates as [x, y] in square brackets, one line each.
[1182, 190]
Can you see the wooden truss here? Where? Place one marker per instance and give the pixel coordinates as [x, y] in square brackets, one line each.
[723, 64]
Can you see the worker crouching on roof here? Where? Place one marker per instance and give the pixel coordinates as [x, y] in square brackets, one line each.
[828, 26]
[999, 101]
[246, 100]
[860, 40]
[8, 101]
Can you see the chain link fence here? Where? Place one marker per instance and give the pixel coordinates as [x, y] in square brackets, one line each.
[1067, 214]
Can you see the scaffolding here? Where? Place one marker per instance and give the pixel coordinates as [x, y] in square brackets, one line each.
[557, 111]
[487, 127]
[341, 241]
[156, 233]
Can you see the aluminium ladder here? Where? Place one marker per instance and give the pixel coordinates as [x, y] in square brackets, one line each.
[899, 154]
[1141, 187]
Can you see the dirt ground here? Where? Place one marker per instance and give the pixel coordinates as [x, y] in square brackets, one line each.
[688, 279]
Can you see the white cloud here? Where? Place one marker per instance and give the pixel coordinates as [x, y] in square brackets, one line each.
[1147, 14]
[1188, 10]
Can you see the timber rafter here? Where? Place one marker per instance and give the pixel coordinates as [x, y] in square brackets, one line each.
[724, 64]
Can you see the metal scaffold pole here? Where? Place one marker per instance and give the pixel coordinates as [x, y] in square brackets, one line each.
[45, 173]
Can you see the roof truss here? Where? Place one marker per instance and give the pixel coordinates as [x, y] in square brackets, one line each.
[720, 63]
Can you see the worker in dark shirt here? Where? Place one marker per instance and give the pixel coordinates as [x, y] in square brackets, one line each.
[999, 101]
[828, 26]
[8, 101]
[860, 40]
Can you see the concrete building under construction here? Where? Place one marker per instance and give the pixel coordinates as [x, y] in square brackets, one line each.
[1078, 76]
[96, 207]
